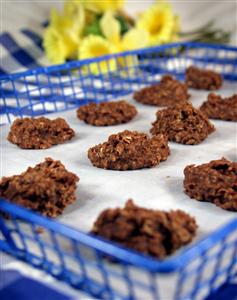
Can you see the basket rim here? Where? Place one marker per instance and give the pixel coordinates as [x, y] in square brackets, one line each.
[79, 63]
[170, 264]
[124, 255]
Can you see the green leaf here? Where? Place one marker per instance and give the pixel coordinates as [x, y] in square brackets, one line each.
[94, 28]
[124, 25]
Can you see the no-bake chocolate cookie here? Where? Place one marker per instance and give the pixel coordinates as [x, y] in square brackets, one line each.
[107, 113]
[46, 188]
[214, 182]
[151, 232]
[203, 79]
[220, 108]
[183, 124]
[40, 133]
[129, 150]
[168, 92]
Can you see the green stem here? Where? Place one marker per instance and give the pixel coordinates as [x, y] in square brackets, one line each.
[207, 33]
[200, 29]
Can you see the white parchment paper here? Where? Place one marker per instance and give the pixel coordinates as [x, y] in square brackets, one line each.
[160, 187]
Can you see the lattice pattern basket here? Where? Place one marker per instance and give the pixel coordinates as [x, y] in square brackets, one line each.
[77, 258]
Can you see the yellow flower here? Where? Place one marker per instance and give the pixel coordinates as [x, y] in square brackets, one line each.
[72, 24]
[58, 46]
[159, 22]
[110, 27]
[62, 36]
[76, 9]
[131, 40]
[71, 7]
[76, 13]
[100, 6]
[96, 6]
[95, 46]
[135, 38]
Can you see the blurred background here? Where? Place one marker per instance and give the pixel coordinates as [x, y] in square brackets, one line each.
[25, 43]
[16, 14]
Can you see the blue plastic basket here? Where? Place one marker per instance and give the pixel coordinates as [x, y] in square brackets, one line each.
[78, 258]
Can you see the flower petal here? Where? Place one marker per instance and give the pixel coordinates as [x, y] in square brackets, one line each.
[74, 11]
[134, 39]
[110, 27]
[99, 6]
[95, 46]
[54, 46]
[160, 23]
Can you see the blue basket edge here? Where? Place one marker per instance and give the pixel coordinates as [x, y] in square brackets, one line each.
[78, 63]
[170, 264]
[175, 262]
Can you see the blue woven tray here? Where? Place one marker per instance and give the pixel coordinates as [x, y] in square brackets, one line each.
[78, 258]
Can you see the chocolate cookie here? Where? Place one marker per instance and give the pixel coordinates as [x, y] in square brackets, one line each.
[46, 188]
[40, 133]
[203, 79]
[220, 108]
[107, 113]
[129, 150]
[215, 182]
[168, 92]
[151, 232]
[183, 124]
